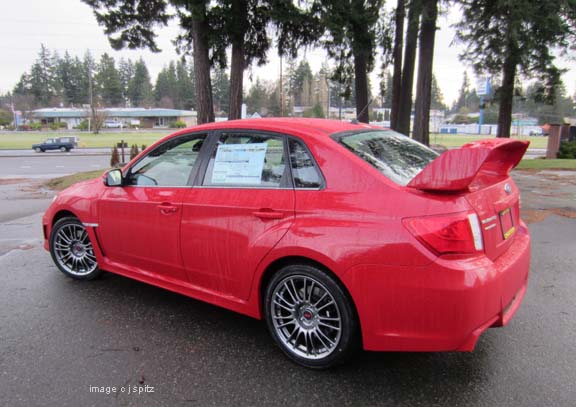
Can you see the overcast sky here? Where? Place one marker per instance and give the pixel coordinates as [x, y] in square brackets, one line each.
[70, 25]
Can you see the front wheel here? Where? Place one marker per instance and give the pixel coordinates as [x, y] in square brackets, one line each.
[63, 149]
[72, 250]
[310, 317]
[38, 150]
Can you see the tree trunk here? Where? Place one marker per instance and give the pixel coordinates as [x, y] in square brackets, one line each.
[204, 105]
[397, 56]
[236, 80]
[405, 104]
[506, 96]
[425, 62]
[361, 81]
[240, 11]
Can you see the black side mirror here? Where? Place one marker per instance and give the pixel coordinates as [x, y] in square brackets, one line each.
[114, 178]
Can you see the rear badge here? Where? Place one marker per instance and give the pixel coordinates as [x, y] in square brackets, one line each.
[508, 189]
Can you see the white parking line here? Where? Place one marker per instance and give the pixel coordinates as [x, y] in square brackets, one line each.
[25, 166]
[96, 165]
[60, 166]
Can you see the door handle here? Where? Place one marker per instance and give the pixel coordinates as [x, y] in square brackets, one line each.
[268, 214]
[167, 208]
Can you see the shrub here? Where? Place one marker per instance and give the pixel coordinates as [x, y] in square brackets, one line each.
[83, 125]
[133, 151]
[54, 126]
[33, 126]
[567, 149]
[178, 124]
[143, 147]
[115, 158]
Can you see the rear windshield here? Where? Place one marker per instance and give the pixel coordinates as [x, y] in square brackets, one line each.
[396, 156]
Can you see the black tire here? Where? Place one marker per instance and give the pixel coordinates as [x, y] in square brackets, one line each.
[313, 332]
[38, 150]
[72, 251]
[63, 149]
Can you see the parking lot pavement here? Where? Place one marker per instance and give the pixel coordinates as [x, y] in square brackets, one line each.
[58, 337]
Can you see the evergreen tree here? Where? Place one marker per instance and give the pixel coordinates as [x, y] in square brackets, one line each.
[514, 37]
[166, 89]
[257, 99]
[427, 38]
[351, 40]
[220, 89]
[70, 75]
[126, 72]
[462, 94]
[139, 86]
[42, 78]
[185, 85]
[300, 84]
[437, 102]
[107, 82]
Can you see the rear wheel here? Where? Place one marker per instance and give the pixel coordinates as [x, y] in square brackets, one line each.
[63, 149]
[310, 317]
[72, 250]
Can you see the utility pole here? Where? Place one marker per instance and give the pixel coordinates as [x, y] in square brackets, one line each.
[15, 118]
[281, 91]
[90, 95]
[328, 103]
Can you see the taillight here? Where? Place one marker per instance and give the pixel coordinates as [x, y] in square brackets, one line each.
[457, 233]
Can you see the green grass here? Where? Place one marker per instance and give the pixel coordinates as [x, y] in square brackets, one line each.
[457, 140]
[60, 183]
[24, 140]
[541, 164]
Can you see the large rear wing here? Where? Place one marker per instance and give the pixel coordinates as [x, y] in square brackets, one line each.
[456, 169]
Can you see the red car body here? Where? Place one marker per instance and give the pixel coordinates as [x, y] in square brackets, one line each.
[222, 245]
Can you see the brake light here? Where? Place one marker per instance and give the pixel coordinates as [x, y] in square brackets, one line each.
[458, 233]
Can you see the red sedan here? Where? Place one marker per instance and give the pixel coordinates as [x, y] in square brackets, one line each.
[339, 235]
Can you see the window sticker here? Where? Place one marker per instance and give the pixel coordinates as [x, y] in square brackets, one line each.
[239, 163]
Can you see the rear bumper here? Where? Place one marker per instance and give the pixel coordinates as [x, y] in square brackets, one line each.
[444, 306]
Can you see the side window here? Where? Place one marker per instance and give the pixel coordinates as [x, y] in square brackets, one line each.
[247, 160]
[169, 165]
[304, 171]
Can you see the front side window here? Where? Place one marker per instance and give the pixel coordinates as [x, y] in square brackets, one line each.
[169, 165]
[247, 160]
[396, 156]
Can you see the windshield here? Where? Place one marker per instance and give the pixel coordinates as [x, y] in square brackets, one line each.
[396, 156]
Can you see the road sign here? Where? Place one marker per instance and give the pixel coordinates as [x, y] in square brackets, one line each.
[483, 86]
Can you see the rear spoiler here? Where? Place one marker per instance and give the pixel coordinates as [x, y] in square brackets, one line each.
[455, 169]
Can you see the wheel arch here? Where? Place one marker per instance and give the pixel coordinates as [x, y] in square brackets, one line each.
[63, 213]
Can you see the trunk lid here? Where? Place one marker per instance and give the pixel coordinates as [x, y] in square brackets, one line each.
[480, 171]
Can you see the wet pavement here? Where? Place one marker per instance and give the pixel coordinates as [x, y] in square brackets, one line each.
[59, 337]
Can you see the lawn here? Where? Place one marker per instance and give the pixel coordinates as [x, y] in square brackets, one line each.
[24, 140]
[456, 140]
[541, 164]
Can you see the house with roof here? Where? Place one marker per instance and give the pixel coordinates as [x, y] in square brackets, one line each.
[124, 117]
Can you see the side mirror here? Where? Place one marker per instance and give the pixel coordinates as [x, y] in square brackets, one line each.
[114, 178]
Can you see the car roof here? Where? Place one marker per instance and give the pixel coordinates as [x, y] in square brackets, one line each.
[289, 125]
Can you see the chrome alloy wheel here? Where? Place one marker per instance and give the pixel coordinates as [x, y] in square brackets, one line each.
[306, 317]
[73, 250]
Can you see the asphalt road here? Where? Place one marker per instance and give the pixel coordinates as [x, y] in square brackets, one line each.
[50, 165]
[58, 337]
